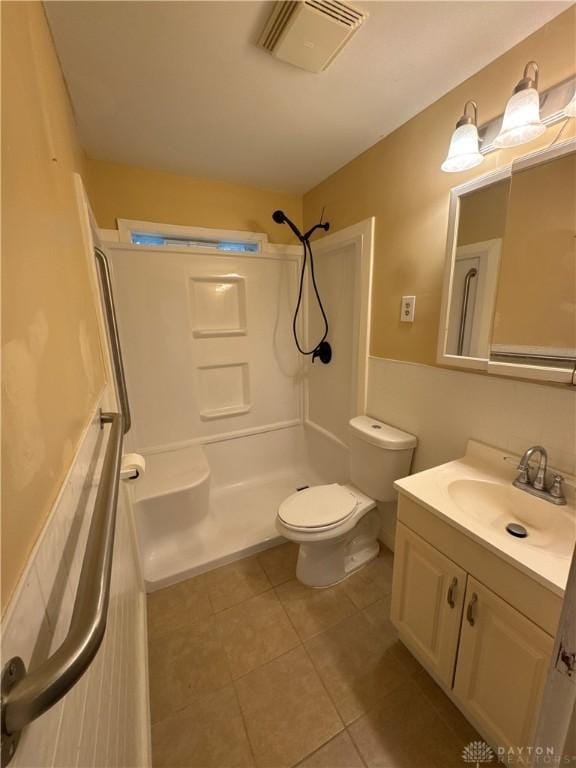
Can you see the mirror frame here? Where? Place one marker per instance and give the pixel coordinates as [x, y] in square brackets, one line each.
[517, 370]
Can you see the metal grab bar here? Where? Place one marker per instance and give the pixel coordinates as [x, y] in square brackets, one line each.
[116, 350]
[27, 695]
[464, 310]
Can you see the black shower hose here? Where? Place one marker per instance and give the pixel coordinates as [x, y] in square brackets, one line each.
[308, 251]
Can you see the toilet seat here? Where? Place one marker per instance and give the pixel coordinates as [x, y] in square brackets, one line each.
[318, 508]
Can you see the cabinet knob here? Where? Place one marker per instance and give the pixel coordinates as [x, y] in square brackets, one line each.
[470, 611]
[450, 597]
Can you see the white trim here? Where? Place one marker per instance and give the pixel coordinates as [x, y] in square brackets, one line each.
[456, 193]
[279, 249]
[539, 373]
[539, 156]
[325, 433]
[221, 436]
[361, 235]
[488, 253]
[524, 349]
[275, 253]
[108, 235]
[127, 226]
[556, 715]
[91, 238]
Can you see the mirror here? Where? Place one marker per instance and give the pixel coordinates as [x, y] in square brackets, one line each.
[509, 303]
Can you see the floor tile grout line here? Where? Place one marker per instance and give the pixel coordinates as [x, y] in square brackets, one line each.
[189, 703]
[356, 745]
[266, 663]
[244, 723]
[324, 629]
[437, 709]
[314, 751]
[322, 683]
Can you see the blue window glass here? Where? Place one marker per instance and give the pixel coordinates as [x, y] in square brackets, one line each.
[235, 246]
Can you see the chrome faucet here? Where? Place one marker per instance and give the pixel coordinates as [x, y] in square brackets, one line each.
[553, 493]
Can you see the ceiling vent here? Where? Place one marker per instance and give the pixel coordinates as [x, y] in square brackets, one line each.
[309, 33]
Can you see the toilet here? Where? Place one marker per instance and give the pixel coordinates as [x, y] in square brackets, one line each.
[336, 525]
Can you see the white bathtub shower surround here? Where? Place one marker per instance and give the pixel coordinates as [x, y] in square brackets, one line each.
[104, 719]
[336, 393]
[445, 408]
[205, 505]
[206, 341]
[231, 419]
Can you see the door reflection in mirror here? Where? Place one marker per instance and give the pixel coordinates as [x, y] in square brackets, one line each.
[481, 227]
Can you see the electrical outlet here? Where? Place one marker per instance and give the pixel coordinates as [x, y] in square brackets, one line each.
[407, 310]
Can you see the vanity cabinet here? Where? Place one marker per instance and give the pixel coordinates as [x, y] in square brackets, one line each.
[427, 602]
[502, 663]
[487, 656]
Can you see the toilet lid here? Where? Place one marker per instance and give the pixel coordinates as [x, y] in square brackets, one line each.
[317, 507]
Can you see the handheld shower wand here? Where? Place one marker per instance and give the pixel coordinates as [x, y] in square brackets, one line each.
[322, 350]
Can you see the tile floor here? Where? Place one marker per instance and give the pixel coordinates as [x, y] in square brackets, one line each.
[250, 668]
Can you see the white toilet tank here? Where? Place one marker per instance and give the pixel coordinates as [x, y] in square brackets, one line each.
[379, 455]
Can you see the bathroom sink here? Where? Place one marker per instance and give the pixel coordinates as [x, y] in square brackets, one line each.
[475, 495]
[495, 505]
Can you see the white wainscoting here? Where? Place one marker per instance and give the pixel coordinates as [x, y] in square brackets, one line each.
[104, 719]
[445, 408]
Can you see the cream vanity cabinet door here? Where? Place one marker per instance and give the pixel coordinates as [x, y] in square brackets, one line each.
[427, 600]
[502, 663]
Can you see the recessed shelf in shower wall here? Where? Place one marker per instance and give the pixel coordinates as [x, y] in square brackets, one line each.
[218, 306]
[223, 390]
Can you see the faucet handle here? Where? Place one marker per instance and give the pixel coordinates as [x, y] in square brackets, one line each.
[556, 490]
[524, 476]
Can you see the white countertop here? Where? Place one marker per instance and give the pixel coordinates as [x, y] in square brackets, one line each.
[431, 489]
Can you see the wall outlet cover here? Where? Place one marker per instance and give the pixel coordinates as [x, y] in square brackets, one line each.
[407, 309]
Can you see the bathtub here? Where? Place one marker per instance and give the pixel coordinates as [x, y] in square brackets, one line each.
[204, 505]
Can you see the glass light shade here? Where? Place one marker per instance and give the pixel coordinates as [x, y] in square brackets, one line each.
[521, 122]
[570, 108]
[463, 152]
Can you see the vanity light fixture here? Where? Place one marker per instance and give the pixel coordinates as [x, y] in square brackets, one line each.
[521, 122]
[464, 151]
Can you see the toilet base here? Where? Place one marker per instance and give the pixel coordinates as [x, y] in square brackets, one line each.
[325, 563]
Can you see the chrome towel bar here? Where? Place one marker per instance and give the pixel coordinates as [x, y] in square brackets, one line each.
[116, 351]
[27, 695]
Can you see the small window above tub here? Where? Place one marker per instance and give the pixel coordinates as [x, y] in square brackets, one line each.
[150, 234]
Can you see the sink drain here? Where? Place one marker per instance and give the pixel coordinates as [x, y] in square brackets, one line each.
[514, 529]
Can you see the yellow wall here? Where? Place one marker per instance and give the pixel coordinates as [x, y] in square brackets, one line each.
[400, 182]
[126, 192]
[51, 354]
[483, 214]
[536, 299]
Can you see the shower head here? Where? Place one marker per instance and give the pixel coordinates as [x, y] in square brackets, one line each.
[279, 217]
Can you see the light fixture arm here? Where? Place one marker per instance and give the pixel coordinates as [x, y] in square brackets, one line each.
[466, 118]
[528, 81]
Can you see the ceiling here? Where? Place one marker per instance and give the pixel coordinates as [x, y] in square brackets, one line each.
[182, 86]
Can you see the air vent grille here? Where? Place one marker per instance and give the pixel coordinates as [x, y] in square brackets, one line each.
[310, 33]
[340, 12]
[277, 24]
